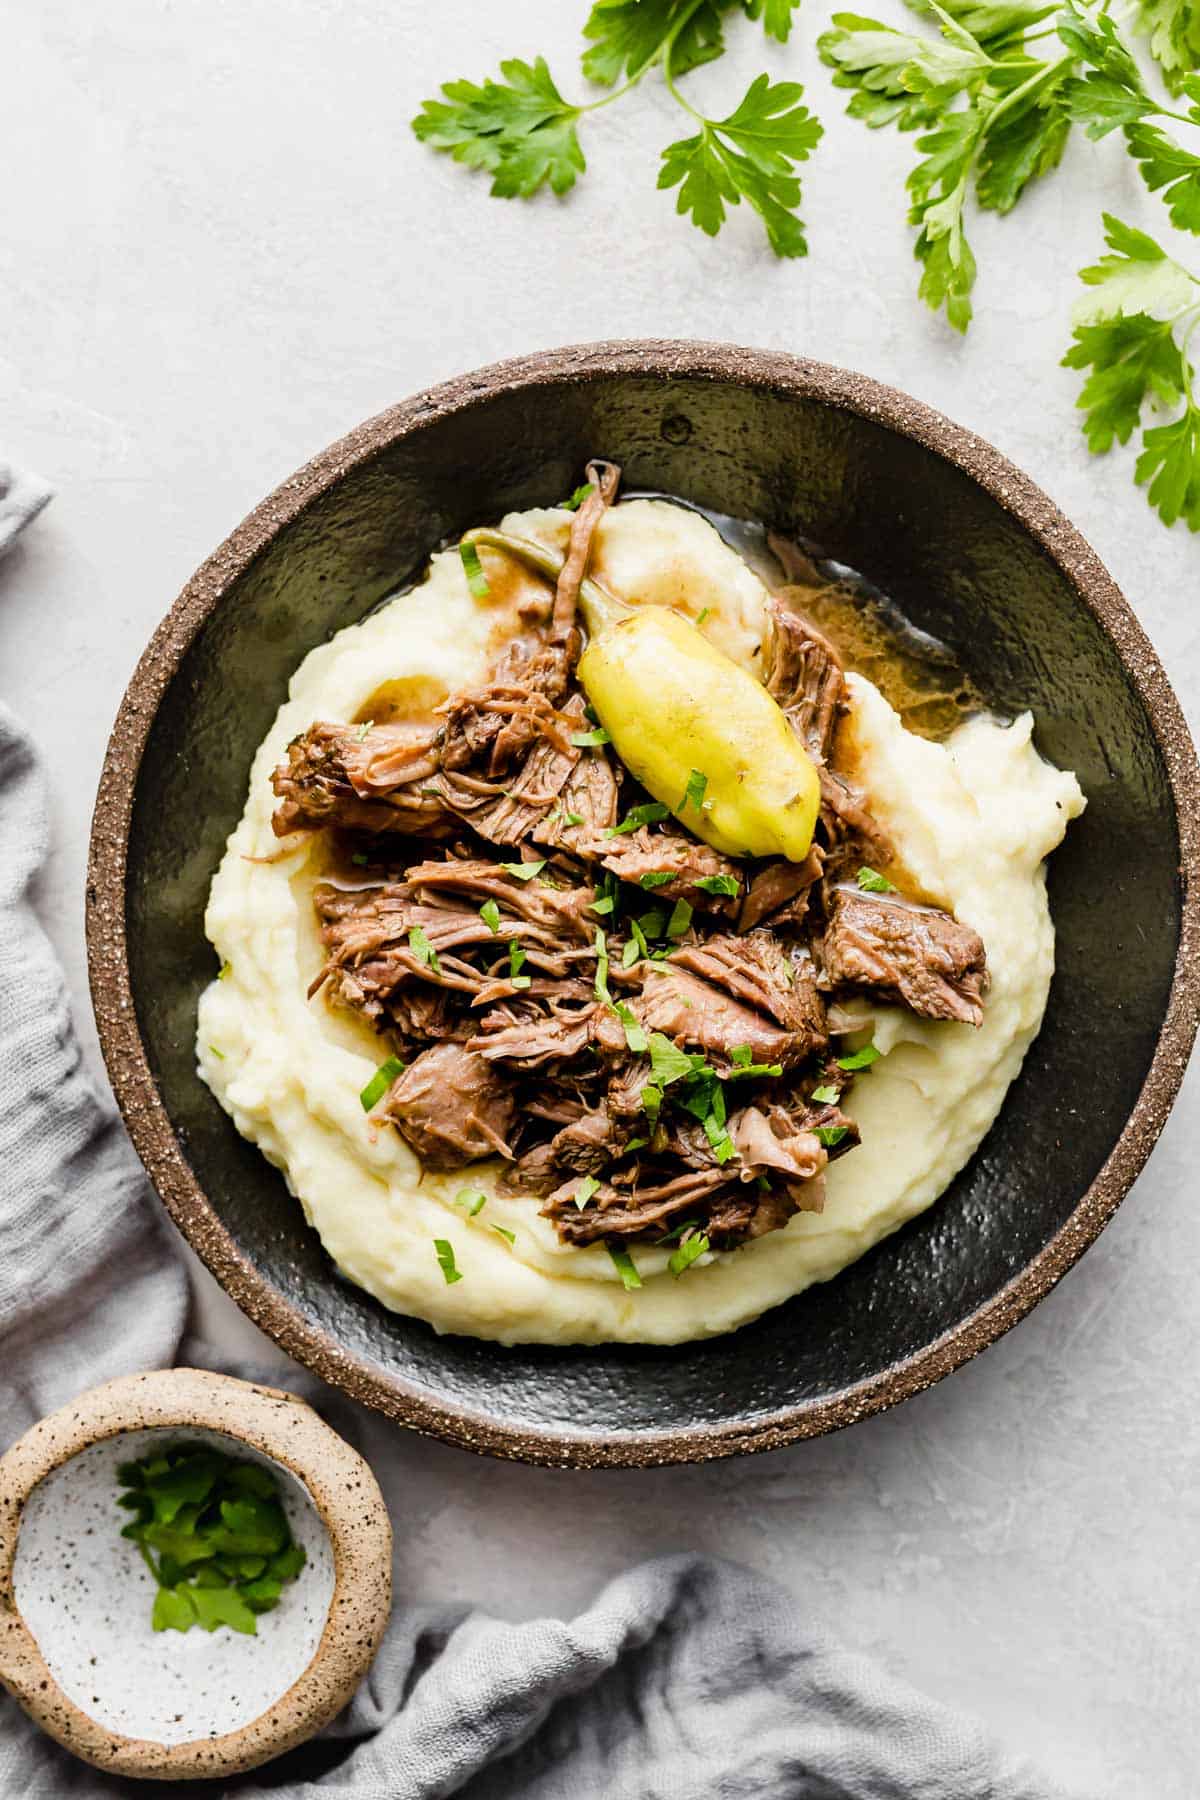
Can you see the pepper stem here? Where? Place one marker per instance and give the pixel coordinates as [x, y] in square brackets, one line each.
[598, 606]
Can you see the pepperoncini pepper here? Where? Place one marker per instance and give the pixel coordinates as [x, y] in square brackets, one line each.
[675, 706]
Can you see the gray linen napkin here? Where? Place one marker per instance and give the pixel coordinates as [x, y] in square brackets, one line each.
[686, 1678]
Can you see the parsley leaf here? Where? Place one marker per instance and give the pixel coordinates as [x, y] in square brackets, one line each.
[829, 1135]
[510, 1237]
[1164, 164]
[516, 958]
[575, 500]
[1170, 462]
[590, 740]
[443, 1249]
[477, 581]
[423, 950]
[776, 16]
[520, 130]
[380, 1082]
[859, 1059]
[588, 1186]
[489, 912]
[474, 1199]
[694, 793]
[683, 1258]
[1132, 332]
[872, 882]
[635, 1035]
[825, 1096]
[649, 814]
[524, 871]
[667, 1062]
[680, 919]
[751, 156]
[718, 884]
[656, 878]
[626, 1269]
[627, 36]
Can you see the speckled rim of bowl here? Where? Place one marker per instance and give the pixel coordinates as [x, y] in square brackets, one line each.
[347, 1500]
[124, 1052]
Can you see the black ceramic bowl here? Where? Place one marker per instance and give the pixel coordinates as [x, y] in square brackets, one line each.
[976, 555]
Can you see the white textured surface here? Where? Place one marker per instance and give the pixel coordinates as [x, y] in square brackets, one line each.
[87, 1597]
[221, 248]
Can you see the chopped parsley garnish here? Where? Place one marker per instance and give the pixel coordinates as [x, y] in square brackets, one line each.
[630, 952]
[718, 884]
[650, 925]
[444, 1251]
[656, 878]
[829, 1135]
[680, 919]
[510, 1237]
[516, 957]
[423, 950]
[635, 1035]
[474, 1199]
[219, 1054]
[576, 500]
[626, 1269]
[635, 1143]
[694, 792]
[861, 1059]
[360, 736]
[718, 1137]
[743, 1067]
[360, 859]
[572, 818]
[689, 1250]
[678, 1231]
[225, 971]
[649, 814]
[380, 1082]
[604, 905]
[702, 615]
[214, 1535]
[583, 1193]
[477, 581]
[667, 1061]
[524, 871]
[602, 992]
[872, 882]
[825, 1096]
[652, 1101]
[489, 912]
[590, 740]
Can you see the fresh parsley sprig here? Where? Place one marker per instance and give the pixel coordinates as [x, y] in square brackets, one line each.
[995, 117]
[524, 133]
[1133, 332]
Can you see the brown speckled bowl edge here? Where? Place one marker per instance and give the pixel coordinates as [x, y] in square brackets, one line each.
[142, 1108]
[347, 1499]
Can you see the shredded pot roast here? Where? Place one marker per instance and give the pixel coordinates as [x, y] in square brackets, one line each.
[637, 1024]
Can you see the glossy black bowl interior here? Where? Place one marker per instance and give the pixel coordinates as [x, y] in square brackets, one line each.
[964, 569]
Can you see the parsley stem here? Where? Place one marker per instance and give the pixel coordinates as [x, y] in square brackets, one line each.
[667, 51]
[587, 106]
[1046, 73]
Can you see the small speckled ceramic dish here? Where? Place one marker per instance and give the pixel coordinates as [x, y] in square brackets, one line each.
[76, 1645]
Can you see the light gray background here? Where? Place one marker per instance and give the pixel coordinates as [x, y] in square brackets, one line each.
[220, 248]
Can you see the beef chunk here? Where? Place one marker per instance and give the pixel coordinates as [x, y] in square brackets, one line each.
[365, 779]
[760, 971]
[452, 1107]
[703, 1017]
[803, 674]
[666, 850]
[915, 954]
[779, 893]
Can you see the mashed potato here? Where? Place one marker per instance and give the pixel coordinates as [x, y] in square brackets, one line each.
[972, 818]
